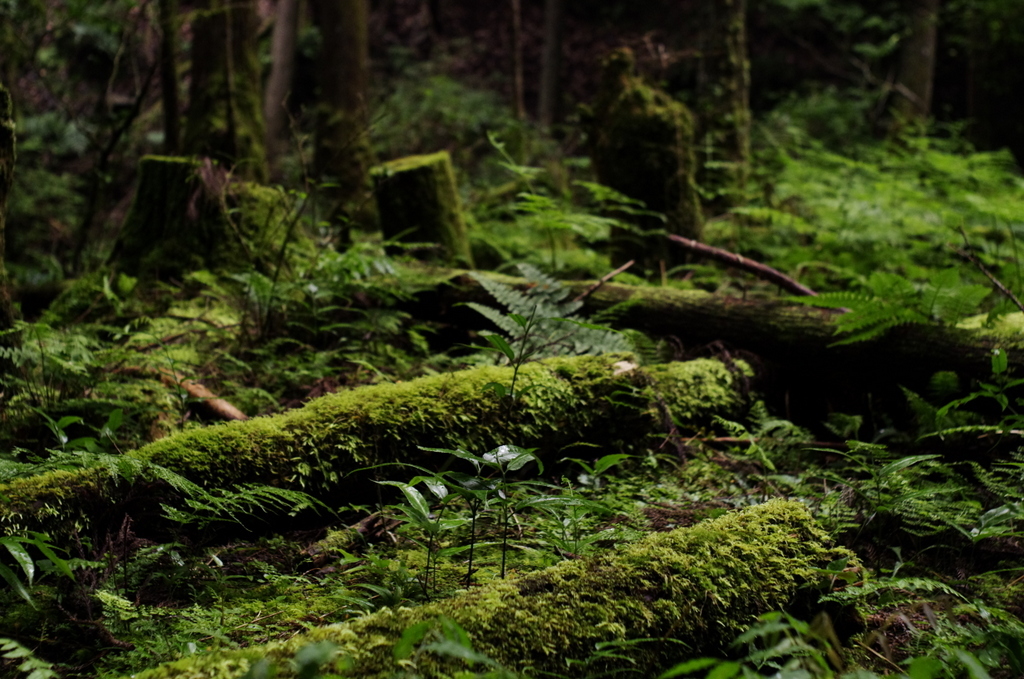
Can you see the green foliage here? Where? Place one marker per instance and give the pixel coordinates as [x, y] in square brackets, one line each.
[892, 300]
[27, 662]
[544, 305]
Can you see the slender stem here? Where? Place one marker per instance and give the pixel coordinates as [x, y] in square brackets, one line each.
[474, 506]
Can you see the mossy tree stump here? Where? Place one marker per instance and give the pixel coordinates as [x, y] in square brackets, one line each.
[189, 215]
[418, 202]
[642, 146]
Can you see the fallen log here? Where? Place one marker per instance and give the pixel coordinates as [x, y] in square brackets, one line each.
[799, 336]
[700, 586]
[605, 400]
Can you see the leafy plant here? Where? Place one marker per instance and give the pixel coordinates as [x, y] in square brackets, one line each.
[892, 300]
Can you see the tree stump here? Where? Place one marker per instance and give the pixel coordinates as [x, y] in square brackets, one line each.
[418, 202]
[190, 215]
[642, 146]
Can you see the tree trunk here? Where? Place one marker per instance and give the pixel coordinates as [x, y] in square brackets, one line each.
[724, 101]
[343, 153]
[7, 157]
[683, 594]
[279, 84]
[518, 97]
[551, 64]
[917, 62]
[225, 113]
[169, 75]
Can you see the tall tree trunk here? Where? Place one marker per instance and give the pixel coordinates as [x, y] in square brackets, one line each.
[225, 114]
[724, 101]
[343, 152]
[917, 61]
[551, 64]
[6, 176]
[169, 75]
[519, 100]
[282, 72]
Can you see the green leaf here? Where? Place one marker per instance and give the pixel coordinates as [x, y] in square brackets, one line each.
[924, 668]
[608, 461]
[411, 636]
[999, 361]
[16, 584]
[501, 345]
[905, 462]
[21, 555]
[689, 667]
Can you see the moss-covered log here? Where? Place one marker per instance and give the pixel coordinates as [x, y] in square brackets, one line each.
[799, 337]
[642, 146]
[189, 215]
[700, 586]
[418, 202]
[602, 400]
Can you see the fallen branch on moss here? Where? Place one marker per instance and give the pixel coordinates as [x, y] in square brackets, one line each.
[688, 593]
[316, 448]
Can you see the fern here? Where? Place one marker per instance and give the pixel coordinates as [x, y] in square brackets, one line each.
[894, 590]
[893, 300]
[554, 332]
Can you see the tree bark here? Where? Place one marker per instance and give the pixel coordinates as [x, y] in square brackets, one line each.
[279, 84]
[518, 96]
[225, 113]
[169, 75]
[343, 153]
[7, 158]
[551, 64]
[724, 101]
[917, 61]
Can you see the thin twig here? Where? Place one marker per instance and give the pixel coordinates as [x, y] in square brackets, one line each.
[604, 279]
[972, 258]
[762, 271]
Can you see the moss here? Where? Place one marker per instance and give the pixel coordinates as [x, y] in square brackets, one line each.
[570, 400]
[701, 585]
[643, 147]
[418, 202]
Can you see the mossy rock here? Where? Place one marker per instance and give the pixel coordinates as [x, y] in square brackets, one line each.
[688, 593]
[603, 400]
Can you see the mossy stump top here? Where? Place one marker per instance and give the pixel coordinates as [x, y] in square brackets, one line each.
[418, 202]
